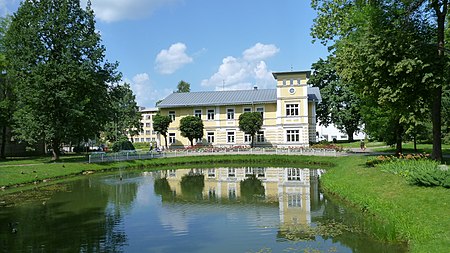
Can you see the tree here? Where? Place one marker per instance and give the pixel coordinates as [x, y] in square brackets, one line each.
[191, 127]
[384, 51]
[340, 105]
[124, 112]
[183, 87]
[161, 125]
[59, 67]
[6, 90]
[250, 123]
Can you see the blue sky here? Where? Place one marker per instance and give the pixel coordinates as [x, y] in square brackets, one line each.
[213, 45]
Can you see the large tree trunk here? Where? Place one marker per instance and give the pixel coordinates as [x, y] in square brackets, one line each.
[165, 140]
[436, 118]
[440, 8]
[55, 147]
[3, 148]
[350, 135]
[398, 137]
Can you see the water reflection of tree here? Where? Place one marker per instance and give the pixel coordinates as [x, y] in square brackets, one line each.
[192, 186]
[76, 220]
[161, 187]
[252, 189]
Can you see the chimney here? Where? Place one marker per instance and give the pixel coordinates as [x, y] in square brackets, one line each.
[255, 87]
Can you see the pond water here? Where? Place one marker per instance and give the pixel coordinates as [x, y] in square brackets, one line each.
[189, 210]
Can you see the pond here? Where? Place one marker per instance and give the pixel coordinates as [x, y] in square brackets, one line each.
[188, 210]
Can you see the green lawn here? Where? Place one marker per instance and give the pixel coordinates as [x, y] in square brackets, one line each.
[356, 144]
[398, 211]
[421, 148]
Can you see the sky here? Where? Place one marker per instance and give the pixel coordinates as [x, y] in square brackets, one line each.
[211, 44]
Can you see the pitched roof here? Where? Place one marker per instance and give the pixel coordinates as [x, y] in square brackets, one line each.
[215, 98]
[231, 97]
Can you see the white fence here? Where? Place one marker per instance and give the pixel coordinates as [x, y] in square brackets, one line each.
[133, 155]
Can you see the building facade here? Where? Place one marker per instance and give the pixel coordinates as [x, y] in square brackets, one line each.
[147, 134]
[288, 112]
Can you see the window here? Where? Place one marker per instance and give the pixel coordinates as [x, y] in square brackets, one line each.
[153, 139]
[292, 135]
[211, 113]
[147, 132]
[231, 172]
[291, 109]
[291, 82]
[148, 117]
[171, 138]
[247, 138]
[247, 109]
[136, 139]
[294, 200]
[299, 81]
[260, 110]
[147, 124]
[260, 136]
[147, 139]
[211, 172]
[232, 191]
[230, 137]
[230, 114]
[294, 174]
[142, 139]
[284, 81]
[198, 113]
[172, 173]
[210, 137]
[172, 115]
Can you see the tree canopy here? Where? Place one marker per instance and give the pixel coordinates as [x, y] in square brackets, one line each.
[7, 99]
[386, 51]
[161, 125]
[340, 105]
[183, 87]
[59, 67]
[124, 113]
[191, 127]
[250, 123]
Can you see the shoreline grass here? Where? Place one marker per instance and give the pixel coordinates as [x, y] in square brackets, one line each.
[395, 210]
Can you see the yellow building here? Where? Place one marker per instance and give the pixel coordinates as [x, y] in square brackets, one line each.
[289, 114]
[287, 188]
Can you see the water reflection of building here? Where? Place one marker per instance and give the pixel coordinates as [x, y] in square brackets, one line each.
[290, 188]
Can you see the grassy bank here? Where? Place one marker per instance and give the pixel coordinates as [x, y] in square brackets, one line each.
[396, 211]
[417, 215]
[17, 172]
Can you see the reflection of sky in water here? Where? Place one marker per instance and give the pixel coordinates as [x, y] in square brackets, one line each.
[137, 220]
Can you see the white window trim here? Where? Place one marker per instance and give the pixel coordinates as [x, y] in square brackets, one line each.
[213, 114]
[201, 112]
[174, 115]
[243, 109]
[234, 113]
[234, 137]
[293, 108]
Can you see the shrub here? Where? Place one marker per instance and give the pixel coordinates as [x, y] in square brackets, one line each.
[122, 145]
[418, 172]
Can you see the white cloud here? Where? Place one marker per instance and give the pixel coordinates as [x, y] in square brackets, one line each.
[115, 10]
[146, 94]
[172, 59]
[260, 52]
[244, 73]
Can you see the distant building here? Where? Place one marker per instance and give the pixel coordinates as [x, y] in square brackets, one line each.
[147, 134]
[289, 113]
[331, 132]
